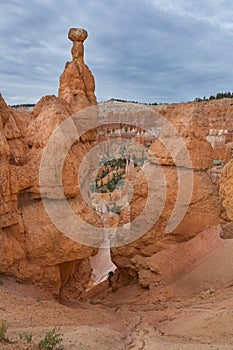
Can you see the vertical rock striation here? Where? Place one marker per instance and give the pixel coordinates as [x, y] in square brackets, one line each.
[31, 247]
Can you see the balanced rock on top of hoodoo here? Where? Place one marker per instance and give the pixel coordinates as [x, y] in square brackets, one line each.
[28, 249]
[77, 34]
[77, 84]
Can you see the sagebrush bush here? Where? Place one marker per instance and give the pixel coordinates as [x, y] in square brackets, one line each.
[26, 336]
[52, 340]
[3, 329]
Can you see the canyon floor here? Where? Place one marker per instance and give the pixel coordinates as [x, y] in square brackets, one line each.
[114, 322]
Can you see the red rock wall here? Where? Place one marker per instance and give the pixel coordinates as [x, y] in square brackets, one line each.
[204, 207]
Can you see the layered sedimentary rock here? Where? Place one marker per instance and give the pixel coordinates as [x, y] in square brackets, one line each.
[203, 208]
[77, 83]
[11, 227]
[31, 247]
[226, 192]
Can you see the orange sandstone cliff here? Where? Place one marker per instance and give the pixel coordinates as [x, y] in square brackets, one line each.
[33, 249]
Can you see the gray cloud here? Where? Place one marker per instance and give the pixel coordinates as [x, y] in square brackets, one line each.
[145, 50]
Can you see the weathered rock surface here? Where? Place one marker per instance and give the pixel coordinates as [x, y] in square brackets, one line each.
[77, 83]
[4, 112]
[226, 190]
[203, 210]
[11, 228]
[31, 247]
[225, 153]
[227, 230]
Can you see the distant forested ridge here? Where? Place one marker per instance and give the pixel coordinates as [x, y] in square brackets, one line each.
[218, 96]
[23, 105]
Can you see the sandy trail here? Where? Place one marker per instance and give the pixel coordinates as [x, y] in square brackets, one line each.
[203, 322]
[193, 312]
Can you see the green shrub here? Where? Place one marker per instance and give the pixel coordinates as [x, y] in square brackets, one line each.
[3, 329]
[52, 340]
[26, 336]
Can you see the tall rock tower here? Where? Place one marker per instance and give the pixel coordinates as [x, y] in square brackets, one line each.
[77, 83]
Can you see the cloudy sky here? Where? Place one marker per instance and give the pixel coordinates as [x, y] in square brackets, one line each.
[143, 50]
